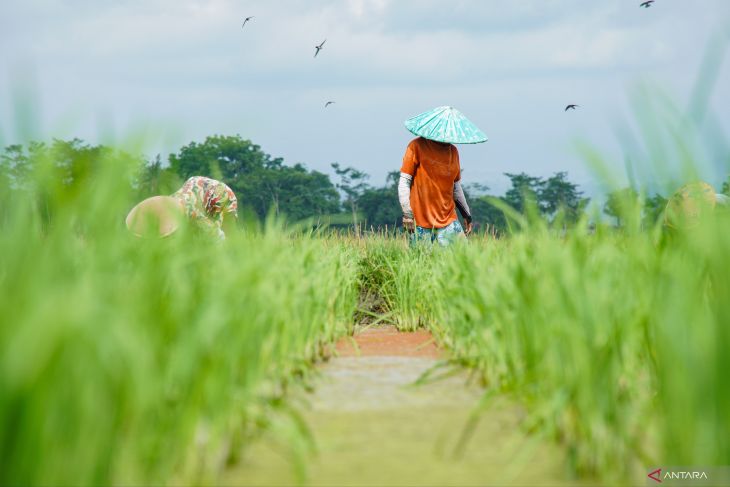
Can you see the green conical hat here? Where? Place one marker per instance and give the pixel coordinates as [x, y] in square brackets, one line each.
[445, 124]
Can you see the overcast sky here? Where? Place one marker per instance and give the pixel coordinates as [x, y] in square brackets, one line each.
[185, 69]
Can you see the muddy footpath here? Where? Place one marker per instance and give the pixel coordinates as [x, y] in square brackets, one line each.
[372, 425]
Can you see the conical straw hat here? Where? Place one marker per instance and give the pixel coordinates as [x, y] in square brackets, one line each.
[445, 124]
[689, 204]
[158, 216]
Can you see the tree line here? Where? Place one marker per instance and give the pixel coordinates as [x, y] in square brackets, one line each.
[266, 185]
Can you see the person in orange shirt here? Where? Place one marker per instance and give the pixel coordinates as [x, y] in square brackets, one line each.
[429, 189]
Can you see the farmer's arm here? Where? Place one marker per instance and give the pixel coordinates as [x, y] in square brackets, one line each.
[404, 196]
[230, 212]
[459, 197]
[463, 206]
[407, 172]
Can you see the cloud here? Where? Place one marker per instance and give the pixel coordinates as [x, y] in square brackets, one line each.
[369, 41]
[506, 64]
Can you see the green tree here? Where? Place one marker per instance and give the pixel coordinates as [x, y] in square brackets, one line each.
[623, 205]
[16, 164]
[475, 190]
[64, 165]
[296, 192]
[487, 217]
[548, 197]
[353, 184]
[653, 209]
[227, 158]
[558, 194]
[61, 172]
[525, 190]
[261, 182]
[156, 178]
[380, 206]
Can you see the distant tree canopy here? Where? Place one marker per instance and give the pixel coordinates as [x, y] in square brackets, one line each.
[627, 208]
[48, 175]
[380, 206]
[265, 184]
[65, 164]
[654, 208]
[525, 191]
[622, 204]
[353, 185]
[549, 197]
[558, 194]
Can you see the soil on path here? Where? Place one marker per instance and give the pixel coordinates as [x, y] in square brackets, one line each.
[386, 341]
[373, 426]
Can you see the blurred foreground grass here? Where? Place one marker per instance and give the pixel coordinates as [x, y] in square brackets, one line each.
[615, 337]
[617, 344]
[125, 361]
[128, 361]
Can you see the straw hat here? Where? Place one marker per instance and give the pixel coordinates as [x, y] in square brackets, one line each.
[688, 205]
[445, 124]
[158, 216]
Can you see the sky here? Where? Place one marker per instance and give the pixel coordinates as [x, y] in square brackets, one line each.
[180, 70]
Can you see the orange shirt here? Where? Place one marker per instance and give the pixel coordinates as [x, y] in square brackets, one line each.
[435, 168]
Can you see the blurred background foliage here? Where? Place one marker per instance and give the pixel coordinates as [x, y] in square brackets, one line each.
[266, 185]
[132, 361]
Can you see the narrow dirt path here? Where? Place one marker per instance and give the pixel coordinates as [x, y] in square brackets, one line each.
[372, 426]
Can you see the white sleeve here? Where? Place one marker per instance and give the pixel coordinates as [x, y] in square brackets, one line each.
[404, 194]
[460, 200]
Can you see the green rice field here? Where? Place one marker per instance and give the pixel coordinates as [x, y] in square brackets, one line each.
[131, 362]
[126, 361]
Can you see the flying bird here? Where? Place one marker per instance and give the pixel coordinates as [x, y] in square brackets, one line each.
[647, 4]
[571, 107]
[246, 20]
[319, 48]
[328, 104]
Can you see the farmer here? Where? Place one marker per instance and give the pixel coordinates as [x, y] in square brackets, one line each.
[429, 188]
[690, 203]
[208, 204]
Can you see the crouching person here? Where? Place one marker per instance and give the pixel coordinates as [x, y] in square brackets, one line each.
[209, 205]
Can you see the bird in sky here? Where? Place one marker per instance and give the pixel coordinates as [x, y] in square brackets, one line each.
[246, 20]
[647, 4]
[571, 107]
[319, 48]
[328, 104]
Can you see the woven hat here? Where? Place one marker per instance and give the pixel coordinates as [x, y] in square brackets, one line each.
[688, 205]
[158, 216]
[445, 124]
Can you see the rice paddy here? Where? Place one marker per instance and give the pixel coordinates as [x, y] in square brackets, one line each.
[127, 361]
[131, 362]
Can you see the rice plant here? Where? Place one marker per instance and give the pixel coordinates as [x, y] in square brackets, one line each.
[148, 361]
